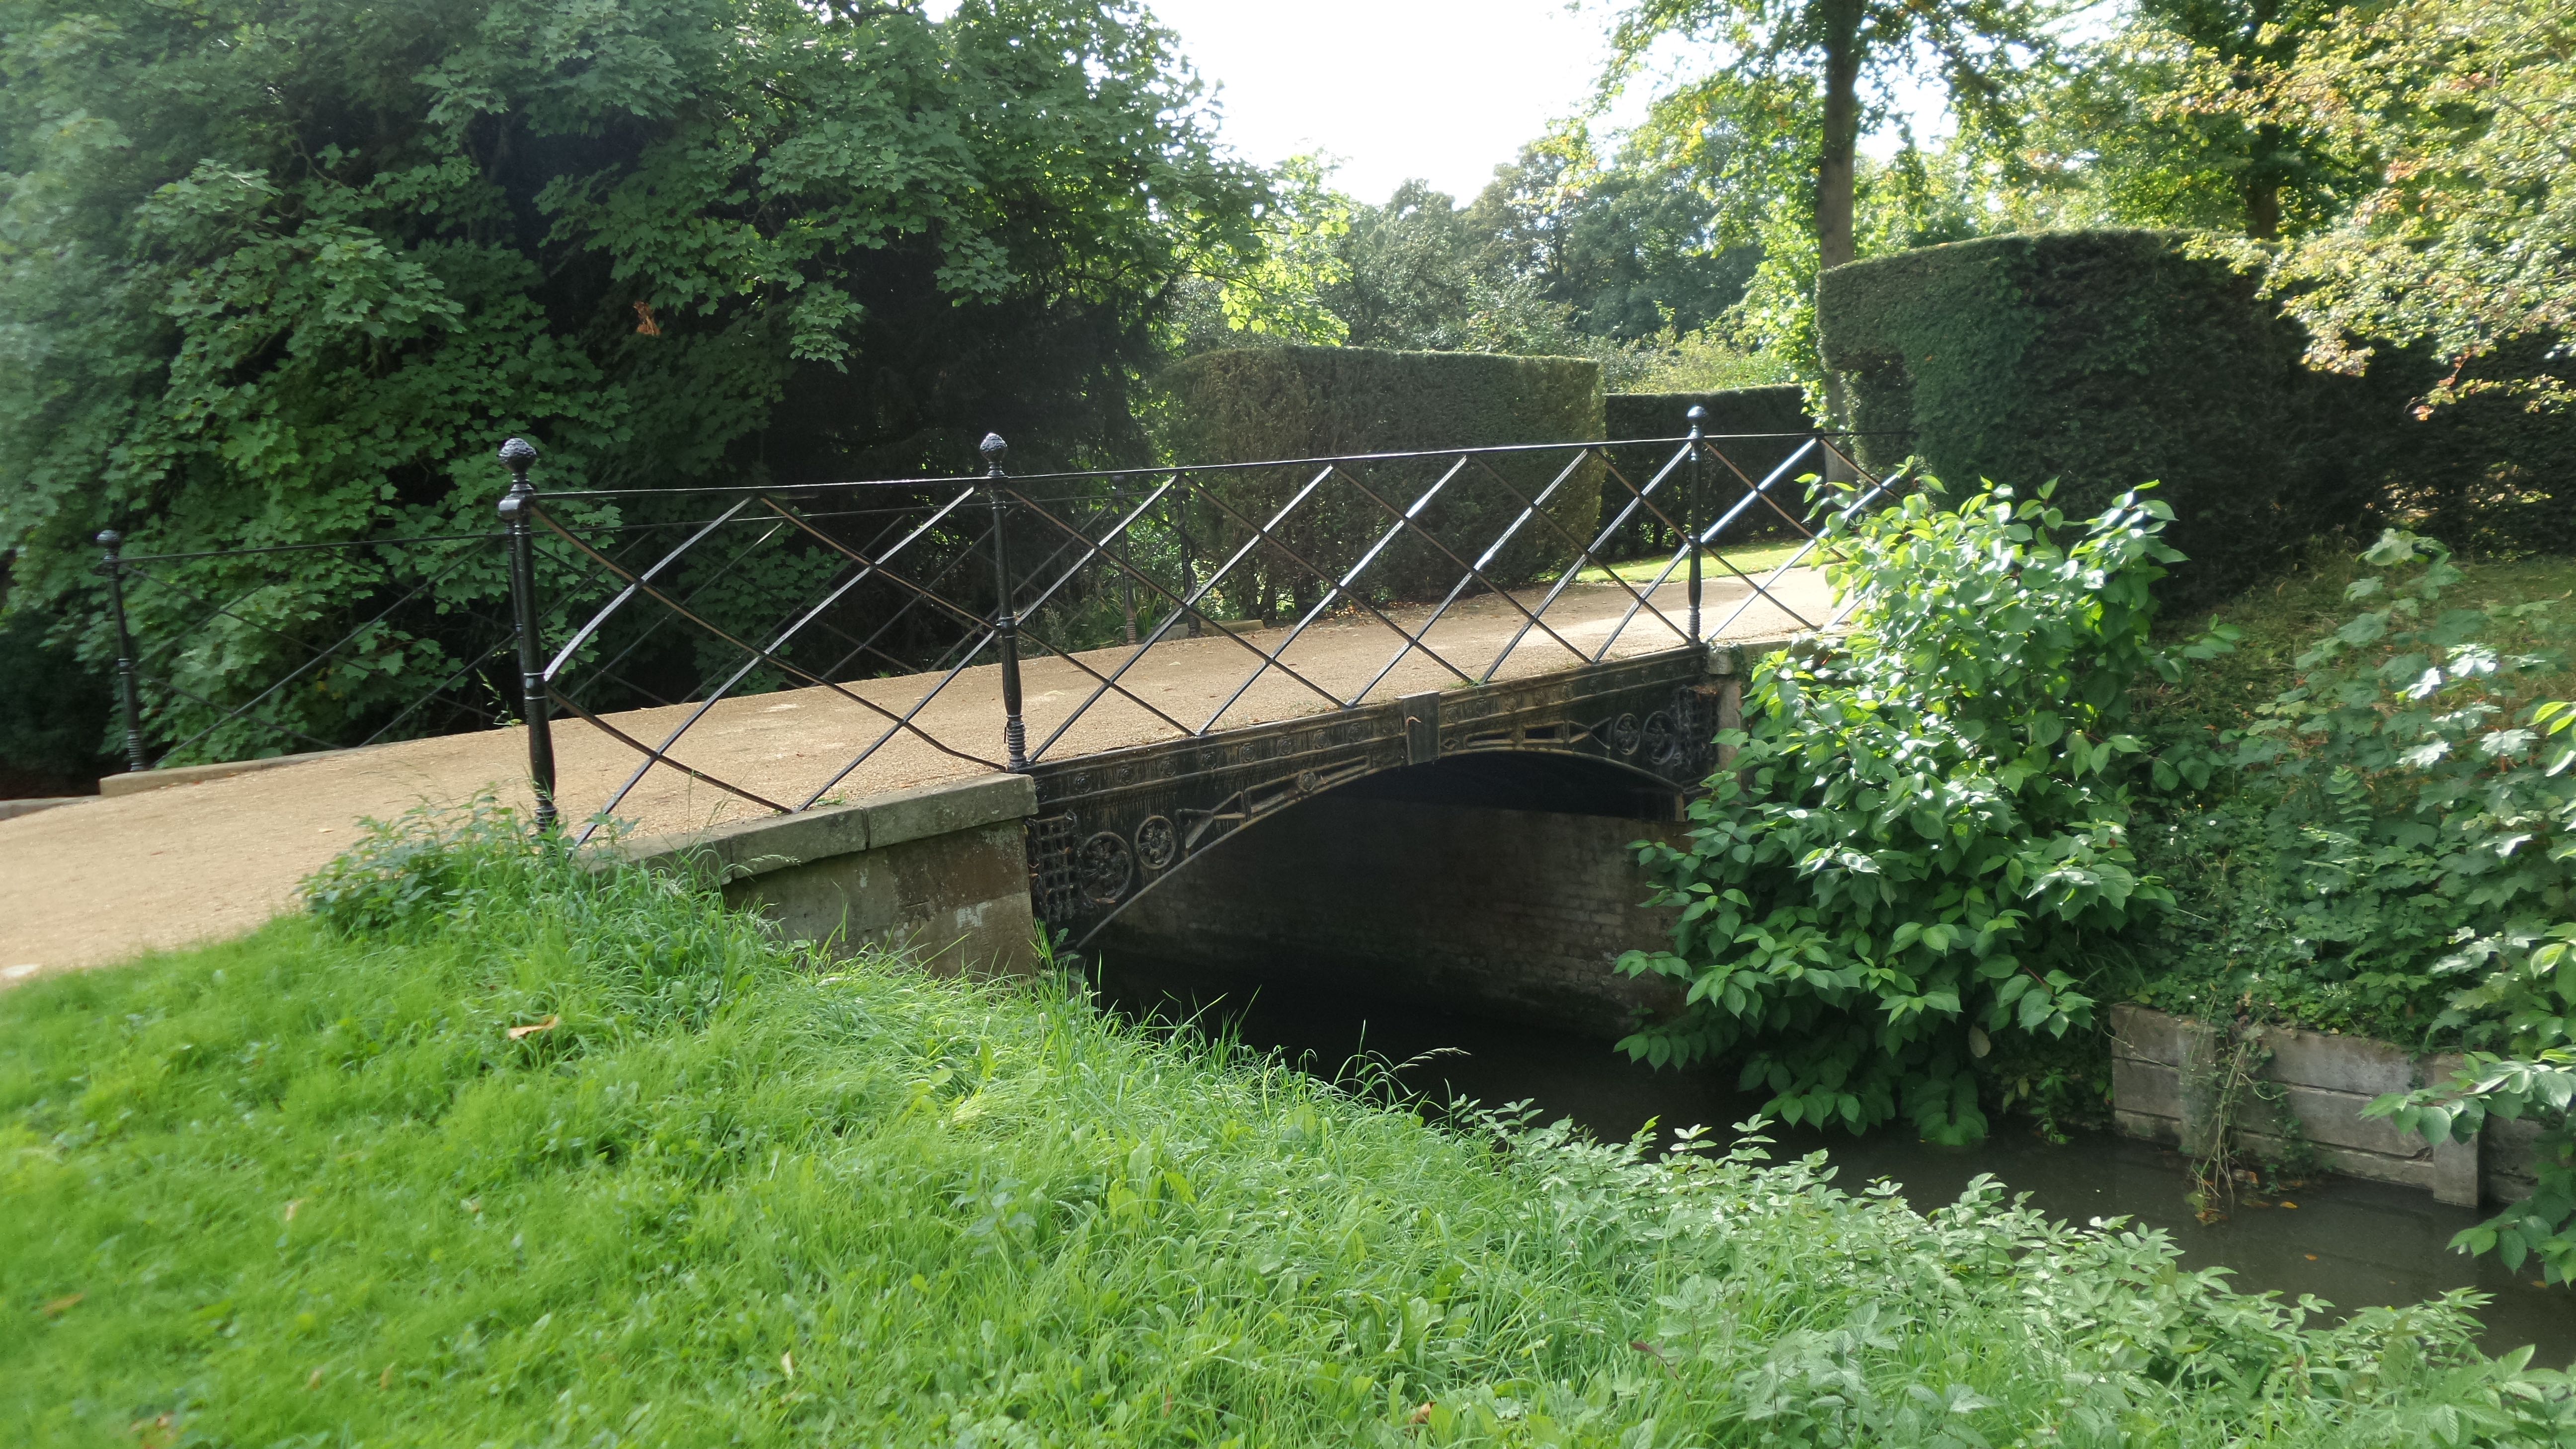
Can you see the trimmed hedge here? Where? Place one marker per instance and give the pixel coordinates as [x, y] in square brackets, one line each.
[2106, 359]
[1252, 404]
[1747, 410]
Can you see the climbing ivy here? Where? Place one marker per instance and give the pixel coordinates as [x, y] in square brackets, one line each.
[1923, 832]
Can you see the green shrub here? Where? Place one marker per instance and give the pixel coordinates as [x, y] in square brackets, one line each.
[2101, 359]
[1921, 840]
[555, 1158]
[1254, 404]
[54, 714]
[1737, 411]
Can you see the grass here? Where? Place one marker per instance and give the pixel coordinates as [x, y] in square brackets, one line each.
[490, 1150]
[2280, 619]
[1757, 560]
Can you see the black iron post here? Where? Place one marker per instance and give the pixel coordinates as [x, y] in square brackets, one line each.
[1181, 528]
[1690, 514]
[127, 701]
[1006, 621]
[518, 509]
[1126, 579]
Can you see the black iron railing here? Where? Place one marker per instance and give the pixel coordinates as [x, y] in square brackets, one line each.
[1331, 581]
[1101, 573]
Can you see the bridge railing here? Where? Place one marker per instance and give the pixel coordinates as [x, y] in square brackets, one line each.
[1007, 620]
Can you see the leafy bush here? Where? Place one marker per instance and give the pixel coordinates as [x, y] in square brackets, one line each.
[2390, 828]
[1253, 404]
[1921, 838]
[478, 1174]
[2394, 852]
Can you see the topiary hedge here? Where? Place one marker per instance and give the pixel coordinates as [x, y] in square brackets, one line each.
[1731, 414]
[2105, 359]
[1254, 404]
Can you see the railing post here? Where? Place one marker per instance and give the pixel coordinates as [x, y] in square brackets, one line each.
[518, 508]
[1181, 529]
[1690, 514]
[1126, 558]
[1006, 622]
[127, 702]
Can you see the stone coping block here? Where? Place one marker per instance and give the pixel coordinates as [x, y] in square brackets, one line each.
[29, 805]
[747, 849]
[135, 782]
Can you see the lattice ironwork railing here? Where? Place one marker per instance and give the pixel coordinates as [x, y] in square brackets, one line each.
[1142, 605]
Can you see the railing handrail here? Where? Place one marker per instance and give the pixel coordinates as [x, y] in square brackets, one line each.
[970, 480]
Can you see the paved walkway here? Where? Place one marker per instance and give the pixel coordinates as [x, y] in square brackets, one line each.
[95, 883]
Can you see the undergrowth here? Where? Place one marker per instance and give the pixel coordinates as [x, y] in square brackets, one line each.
[488, 1149]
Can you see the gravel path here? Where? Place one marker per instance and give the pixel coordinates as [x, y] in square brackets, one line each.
[94, 883]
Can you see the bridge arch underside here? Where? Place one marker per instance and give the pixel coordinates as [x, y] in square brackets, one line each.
[1497, 884]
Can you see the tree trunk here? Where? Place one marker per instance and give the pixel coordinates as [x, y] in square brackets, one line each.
[1842, 133]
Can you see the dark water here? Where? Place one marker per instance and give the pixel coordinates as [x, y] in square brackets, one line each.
[2353, 1244]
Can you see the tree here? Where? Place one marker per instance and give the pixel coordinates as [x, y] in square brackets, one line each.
[1800, 81]
[276, 271]
[2463, 114]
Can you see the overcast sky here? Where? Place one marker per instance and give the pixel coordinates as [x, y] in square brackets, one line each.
[1441, 89]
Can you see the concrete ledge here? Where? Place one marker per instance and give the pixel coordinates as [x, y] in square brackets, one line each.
[940, 872]
[747, 849]
[135, 782]
[12, 809]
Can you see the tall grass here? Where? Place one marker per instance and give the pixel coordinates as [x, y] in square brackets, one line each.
[327, 1186]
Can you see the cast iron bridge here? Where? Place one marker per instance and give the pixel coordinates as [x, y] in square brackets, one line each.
[1173, 654]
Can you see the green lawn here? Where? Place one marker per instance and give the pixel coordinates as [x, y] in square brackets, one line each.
[497, 1152]
[1757, 561]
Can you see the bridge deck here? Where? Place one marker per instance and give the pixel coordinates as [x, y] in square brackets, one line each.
[97, 882]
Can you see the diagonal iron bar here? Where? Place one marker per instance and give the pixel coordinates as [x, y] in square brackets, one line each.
[761, 656]
[1188, 605]
[642, 581]
[1582, 556]
[973, 619]
[1702, 540]
[476, 663]
[1563, 580]
[323, 655]
[656, 757]
[176, 688]
[1473, 571]
[889, 732]
[1412, 639]
[1877, 487]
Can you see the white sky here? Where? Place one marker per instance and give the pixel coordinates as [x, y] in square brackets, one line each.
[1441, 89]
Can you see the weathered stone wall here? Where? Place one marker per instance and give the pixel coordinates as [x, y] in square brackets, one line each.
[2163, 1085]
[1516, 914]
[941, 871]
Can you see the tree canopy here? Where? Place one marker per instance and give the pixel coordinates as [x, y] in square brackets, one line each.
[280, 270]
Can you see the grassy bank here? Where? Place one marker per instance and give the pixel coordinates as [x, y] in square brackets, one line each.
[491, 1151]
[2328, 913]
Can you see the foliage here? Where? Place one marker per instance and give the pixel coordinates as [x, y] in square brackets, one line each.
[2390, 832]
[284, 271]
[53, 715]
[2461, 110]
[2128, 134]
[1255, 404]
[1920, 838]
[1795, 85]
[2098, 359]
[560, 1156]
[2393, 853]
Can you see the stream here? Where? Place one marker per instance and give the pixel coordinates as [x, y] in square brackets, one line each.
[2353, 1244]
